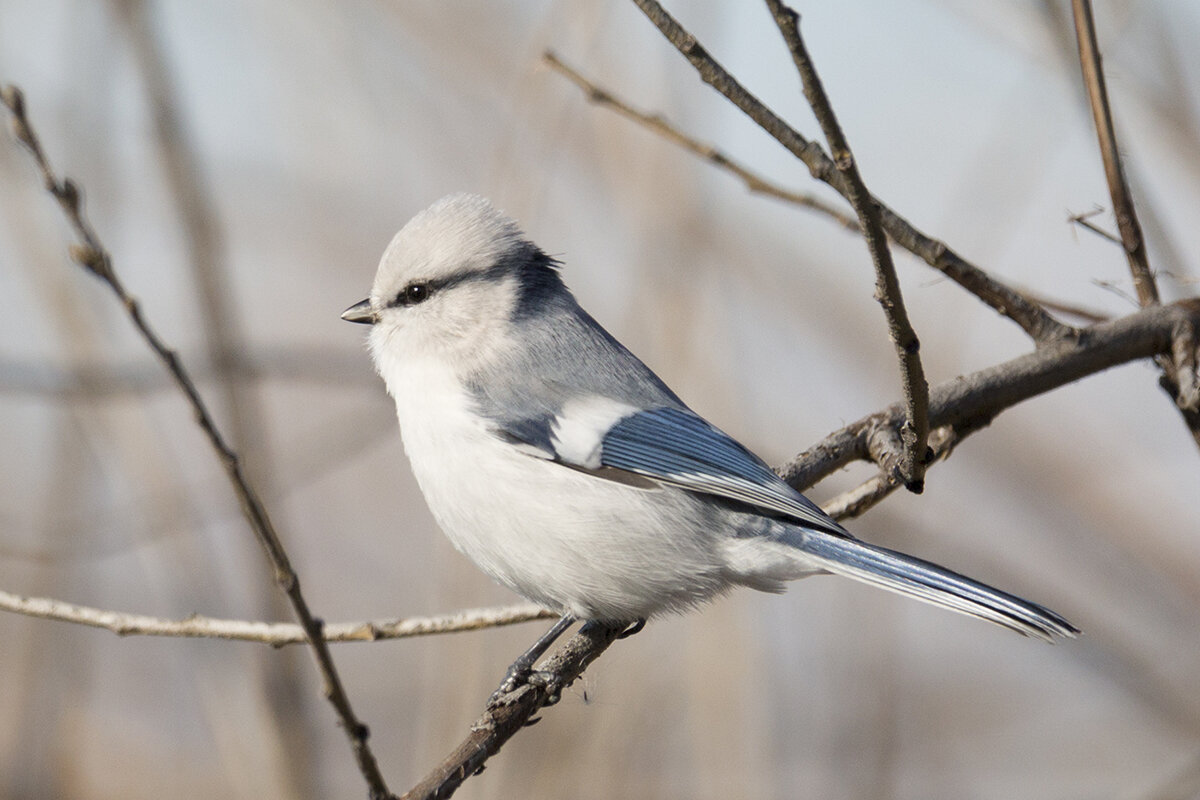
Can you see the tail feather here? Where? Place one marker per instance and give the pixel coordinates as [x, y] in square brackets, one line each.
[925, 581]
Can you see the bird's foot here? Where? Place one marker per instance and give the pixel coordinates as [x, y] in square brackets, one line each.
[519, 676]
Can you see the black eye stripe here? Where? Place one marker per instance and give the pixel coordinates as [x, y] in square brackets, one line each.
[418, 291]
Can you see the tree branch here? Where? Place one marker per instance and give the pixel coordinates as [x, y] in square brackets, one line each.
[1179, 374]
[1034, 320]
[972, 401]
[92, 255]
[501, 720]
[1118, 187]
[276, 634]
[915, 431]
[658, 125]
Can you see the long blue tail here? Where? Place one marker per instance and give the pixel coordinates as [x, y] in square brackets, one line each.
[925, 581]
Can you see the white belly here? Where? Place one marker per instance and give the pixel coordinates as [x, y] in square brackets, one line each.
[574, 542]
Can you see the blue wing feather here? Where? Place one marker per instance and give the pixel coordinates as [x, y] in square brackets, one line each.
[677, 447]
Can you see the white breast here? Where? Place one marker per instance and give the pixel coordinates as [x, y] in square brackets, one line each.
[555, 535]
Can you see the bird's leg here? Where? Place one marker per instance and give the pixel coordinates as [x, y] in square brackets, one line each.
[521, 669]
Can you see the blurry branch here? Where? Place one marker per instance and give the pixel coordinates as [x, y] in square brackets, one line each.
[915, 431]
[302, 364]
[656, 123]
[1088, 315]
[197, 218]
[1184, 785]
[91, 255]
[502, 719]
[1034, 320]
[276, 634]
[1179, 367]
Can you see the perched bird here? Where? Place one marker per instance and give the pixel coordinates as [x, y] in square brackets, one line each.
[568, 471]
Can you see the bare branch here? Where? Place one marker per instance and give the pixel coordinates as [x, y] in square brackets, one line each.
[860, 499]
[502, 720]
[1118, 186]
[915, 431]
[92, 255]
[1087, 315]
[974, 400]
[1179, 377]
[1034, 320]
[657, 124]
[276, 634]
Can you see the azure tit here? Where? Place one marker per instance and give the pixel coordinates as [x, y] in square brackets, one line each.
[569, 472]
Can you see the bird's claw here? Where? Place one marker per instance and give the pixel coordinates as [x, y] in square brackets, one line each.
[518, 678]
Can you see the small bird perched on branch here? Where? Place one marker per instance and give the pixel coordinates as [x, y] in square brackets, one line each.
[568, 471]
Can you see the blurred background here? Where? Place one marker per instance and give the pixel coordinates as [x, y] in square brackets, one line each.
[246, 164]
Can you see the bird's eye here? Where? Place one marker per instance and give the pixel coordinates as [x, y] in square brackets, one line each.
[413, 293]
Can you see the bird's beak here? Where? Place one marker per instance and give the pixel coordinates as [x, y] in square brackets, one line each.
[361, 312]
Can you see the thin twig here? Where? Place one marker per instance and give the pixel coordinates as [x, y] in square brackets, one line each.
[276, 634]
[1035, 321]
[1088, 315]
[92, 255]
[659, 125]
[1084, 220]
[1179, 374]
[915, 431]
[1118, 186]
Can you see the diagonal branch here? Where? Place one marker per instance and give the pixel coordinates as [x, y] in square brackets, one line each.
[657, 124]
[1034, 320]
[915, 431]
[502, 720]
[92, 255]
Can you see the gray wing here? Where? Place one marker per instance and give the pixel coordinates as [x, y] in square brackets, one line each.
[667, 445]
[677, 447]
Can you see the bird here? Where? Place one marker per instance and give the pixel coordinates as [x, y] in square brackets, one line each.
[568, 471]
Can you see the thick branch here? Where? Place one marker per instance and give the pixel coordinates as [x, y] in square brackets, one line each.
[972, 401]
[276, 634]
[1034, 320]
[915, 432]
[92, 255]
